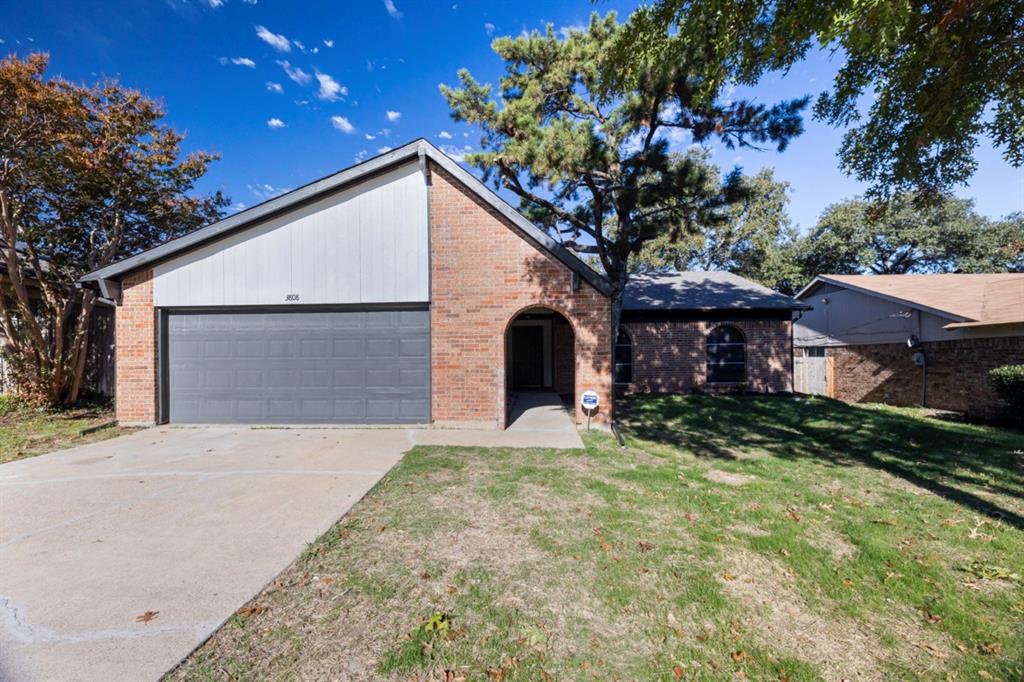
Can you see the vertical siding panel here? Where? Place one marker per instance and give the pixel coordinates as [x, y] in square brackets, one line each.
[368, 243]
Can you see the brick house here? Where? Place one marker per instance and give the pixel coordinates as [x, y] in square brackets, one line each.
[910, 339]
[400, 290]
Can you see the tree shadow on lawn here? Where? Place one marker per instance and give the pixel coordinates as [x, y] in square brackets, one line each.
[938, 456]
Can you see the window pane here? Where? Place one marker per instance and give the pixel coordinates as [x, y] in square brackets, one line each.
[726, 355]
[725, 373]
[623, 354]
[623, 373]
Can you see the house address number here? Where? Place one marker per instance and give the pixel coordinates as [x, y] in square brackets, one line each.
[291, 297]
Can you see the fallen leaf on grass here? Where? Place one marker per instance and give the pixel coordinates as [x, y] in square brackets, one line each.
[793, 515]
[931, 617]
[645, 546]
[146, 617]
[932, 650]
[252, 610]
[884, 522]
[847, 582]
[985, 675]
[726, 575]
[678, 672]
[990, 648]
[739, 656]
[452, 589]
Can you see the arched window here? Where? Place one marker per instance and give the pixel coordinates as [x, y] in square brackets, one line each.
[623, 358]
[727, 356]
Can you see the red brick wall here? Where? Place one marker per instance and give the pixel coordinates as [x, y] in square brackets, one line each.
[483, 274]
[136, 392]
[957, 373]
[563, 357]
[670, 356]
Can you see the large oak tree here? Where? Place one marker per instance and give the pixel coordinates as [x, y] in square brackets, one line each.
[919, 80]
[88, 175]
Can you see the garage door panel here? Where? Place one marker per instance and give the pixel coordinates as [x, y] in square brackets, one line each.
[344, 366]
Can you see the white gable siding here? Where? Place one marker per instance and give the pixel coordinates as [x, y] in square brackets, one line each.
[366, 244]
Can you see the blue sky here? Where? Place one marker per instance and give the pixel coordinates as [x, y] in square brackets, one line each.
[290, 91]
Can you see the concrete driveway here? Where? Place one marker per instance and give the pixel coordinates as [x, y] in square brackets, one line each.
[188, 523]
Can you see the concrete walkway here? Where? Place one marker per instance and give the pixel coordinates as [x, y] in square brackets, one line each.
[187, 523]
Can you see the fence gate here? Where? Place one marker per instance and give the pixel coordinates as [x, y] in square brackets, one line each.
[812, 371]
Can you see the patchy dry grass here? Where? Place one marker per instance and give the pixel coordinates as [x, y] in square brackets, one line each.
[26, 432]
[864, 543]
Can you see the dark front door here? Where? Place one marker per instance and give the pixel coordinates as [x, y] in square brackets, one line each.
[527, 357]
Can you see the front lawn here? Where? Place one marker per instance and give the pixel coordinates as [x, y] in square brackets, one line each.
[766, 538]
[26, 432]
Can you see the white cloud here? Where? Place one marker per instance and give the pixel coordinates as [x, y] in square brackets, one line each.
[383, 150]
[295, 73]
[458, 154]
[328, 43]
[238, 206]
[315, 50]
[342, 124]
[275, 87]
[249, 2]
[265, 191]
[243, 61]
[361, 155]
[489, 28]
[275, 40]
[330, 90]
[444, 135]
[393, 116]
[389, 5]
[275, 123]
[298, 44]
[368, 136]
[566, 31]
[215, 3]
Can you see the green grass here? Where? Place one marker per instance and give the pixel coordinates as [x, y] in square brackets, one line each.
[26, 432]
[864, 543]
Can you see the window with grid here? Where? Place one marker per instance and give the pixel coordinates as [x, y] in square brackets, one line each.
[727, 356]
[623, 359]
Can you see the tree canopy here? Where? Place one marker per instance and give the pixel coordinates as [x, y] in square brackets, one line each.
[900, 237]
[938, 74]
[88, 175]
[756, 239]
[596, 162]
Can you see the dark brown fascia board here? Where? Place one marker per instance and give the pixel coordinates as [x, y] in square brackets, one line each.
[417, 149]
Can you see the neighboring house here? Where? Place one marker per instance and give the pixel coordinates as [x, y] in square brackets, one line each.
[400, 290]
[704, 330]
[910, 339]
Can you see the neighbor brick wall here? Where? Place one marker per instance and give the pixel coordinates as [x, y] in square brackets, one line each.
[136, 392]
[957, 373]
[670, 356]
[483, 274]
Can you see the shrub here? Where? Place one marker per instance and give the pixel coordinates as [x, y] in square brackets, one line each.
[1008, 382]
[8, 404]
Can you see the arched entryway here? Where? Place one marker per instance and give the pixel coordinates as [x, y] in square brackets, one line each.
[540, 367]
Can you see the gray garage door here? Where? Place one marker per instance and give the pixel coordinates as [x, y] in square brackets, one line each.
[312, 367]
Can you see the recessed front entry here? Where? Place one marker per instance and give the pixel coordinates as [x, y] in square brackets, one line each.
[351, 366]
